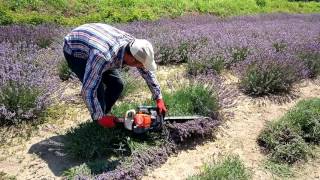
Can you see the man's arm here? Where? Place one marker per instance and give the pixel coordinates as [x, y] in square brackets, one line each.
[92, 78]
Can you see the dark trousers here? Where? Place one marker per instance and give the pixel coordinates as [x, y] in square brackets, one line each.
[110, 87]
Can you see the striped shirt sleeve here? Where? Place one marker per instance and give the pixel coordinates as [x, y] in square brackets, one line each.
[92, 78]
[152, 82]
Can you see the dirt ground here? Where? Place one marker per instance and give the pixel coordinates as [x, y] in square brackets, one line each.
[42, 156]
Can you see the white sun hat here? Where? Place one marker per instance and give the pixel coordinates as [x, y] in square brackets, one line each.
[142, 51]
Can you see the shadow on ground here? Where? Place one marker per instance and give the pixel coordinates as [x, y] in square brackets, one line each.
[52, 151]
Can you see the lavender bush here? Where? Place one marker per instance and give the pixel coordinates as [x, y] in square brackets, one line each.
[310, 55]
[291, 138]
[42, 36]
[270, 72]
[27, 80]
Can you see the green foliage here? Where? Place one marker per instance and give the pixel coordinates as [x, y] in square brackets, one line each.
[306, 117]
[184, 49]
[291, 152]
[215, 63]
[197, 67]
[131, 84]
[5, 18]
[15, 96]
[119, 110]
[89, 169]
[18, 98]
[286, 140]
[230, 167]
[284, 143]
[261, 3]
[180, 53]
[281, 170]
[312, 61]
[238, 54]
[279, 46]
[270, 80]
[304, 0]
[44, 42]
[89, 141]
[76, 12]
[195, 99]
[64, 71]
[82, 170]
[5, 176]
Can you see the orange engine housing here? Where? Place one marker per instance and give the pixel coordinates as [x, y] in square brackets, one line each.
[142, 120]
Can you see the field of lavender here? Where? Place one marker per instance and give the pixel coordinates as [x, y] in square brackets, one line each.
[267, 53]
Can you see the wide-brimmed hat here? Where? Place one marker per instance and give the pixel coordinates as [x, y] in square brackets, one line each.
[142, 51]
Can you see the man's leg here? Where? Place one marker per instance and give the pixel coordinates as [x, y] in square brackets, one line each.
[114, 86]
[78, 66]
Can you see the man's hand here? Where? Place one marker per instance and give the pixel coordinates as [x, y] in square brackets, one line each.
[160, 104]
[107, 121]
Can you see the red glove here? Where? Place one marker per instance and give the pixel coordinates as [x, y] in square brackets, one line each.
[160, 104]
[107, 121]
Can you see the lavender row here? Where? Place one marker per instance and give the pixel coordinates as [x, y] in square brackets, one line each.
[268, 53]
[207, 39]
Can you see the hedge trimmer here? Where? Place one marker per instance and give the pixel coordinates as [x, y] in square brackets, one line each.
[146, 118]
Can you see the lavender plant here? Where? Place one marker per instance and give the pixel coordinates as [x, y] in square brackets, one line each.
[229, 167]
[26, 81]
[283, 143]
[310, 55]
[306, 116]
[195, 99]
[270, 72]
[287, 140]
[42, 36]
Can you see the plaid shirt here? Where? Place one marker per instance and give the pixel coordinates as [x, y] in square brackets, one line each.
[103, 47]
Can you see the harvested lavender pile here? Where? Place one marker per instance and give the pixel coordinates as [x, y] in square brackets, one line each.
[180, 132]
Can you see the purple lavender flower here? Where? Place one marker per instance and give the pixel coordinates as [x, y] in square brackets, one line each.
[27, 79]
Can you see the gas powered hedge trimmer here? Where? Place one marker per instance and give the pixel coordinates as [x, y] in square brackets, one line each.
[146, 118]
